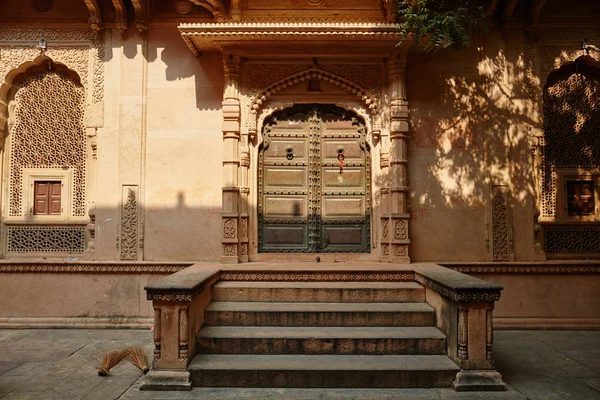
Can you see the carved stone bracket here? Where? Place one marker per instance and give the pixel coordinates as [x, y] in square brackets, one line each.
[217, 8]
[95, 19]
[140, 14]
[121, 15]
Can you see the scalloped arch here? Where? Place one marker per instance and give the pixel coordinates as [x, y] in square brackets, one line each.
[41, 62]
[314, 73]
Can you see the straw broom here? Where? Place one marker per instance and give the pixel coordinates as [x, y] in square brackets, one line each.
[111, 359]
[137, 357]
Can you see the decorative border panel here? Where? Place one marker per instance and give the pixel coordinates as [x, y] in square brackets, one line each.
[92, 267]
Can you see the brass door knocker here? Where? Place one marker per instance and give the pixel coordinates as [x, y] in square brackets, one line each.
[290, 153]
[341, 159]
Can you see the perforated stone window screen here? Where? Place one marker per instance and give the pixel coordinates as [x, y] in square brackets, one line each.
[45, 239]
[48, 132]
[572, 239]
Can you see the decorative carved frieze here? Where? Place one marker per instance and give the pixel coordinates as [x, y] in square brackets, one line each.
[91, 267]
[525, 268]
[462, 296]
[318, 276]
[129, 224]
[400, 250]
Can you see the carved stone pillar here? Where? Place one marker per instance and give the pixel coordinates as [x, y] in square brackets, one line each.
[231, 161]
[398, 180]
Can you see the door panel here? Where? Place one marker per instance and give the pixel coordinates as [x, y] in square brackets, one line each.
[308, 201]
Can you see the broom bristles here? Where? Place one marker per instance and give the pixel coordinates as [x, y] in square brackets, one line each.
[137, 356]
[111, 359]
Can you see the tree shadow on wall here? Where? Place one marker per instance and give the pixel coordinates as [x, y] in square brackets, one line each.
[475, 134]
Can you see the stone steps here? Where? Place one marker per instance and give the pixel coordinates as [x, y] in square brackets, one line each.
[318, 314]
[315, 292]
[320, 340]
[322, 371]
[320, 335]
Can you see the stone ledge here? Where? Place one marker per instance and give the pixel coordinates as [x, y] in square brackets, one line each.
[455, 285]
[90, 267]
[75, 323]
[541, 267]
[184, 285]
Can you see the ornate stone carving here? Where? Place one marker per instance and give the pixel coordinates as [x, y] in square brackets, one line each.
[182, 6]
[317, 276]
[92, 268]
[400, 250]
[401, 229]
[48, 132]
[526, 268]
[463, 335]
[462, 296]
[572, 239]
[181, 295]
[501, 242]
[183, 334]
[157, 338]
[489, 329]
[140, 17]
[217, 8]
[244, 228]
[229, 229]
[243, 249]
[129, 227]
[385, 248]
[384, 228]
[45, 239]
[121, 15]
[85, 50]
[315, 72]
[570, 131]
[95, 19]
[229, 250]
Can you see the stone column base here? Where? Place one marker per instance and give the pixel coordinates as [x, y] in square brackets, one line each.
[166, 380]
[478, 380]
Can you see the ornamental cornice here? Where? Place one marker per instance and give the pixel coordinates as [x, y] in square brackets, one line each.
[525, 268]
[218, 36]
[91, 268]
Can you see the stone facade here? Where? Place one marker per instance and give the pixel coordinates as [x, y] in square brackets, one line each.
[151, 117]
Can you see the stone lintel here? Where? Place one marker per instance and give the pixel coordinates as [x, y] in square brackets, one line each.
[166, 380]
[478, 380]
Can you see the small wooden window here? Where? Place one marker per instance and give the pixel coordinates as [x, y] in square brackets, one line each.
[47, 196]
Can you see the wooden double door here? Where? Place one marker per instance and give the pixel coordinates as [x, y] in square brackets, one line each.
[314, 182]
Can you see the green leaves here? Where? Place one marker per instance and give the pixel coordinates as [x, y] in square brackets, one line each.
[439, 26]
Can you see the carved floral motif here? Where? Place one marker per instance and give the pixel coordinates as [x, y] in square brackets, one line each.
[229, 229]
[129, 228]
[401, 229]
[500, 228]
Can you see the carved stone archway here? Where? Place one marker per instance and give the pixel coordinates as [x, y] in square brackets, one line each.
[243, 111]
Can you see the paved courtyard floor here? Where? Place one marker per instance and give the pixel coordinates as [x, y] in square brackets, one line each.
[61, 364]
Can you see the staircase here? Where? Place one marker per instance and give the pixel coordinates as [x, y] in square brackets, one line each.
[320, 335]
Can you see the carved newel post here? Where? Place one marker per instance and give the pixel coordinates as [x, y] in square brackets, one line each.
[397, 230]
[231, 161]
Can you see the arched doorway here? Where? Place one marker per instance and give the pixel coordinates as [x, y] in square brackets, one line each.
[314, 189]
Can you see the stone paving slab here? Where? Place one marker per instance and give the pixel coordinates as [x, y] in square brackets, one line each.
[535, 364]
